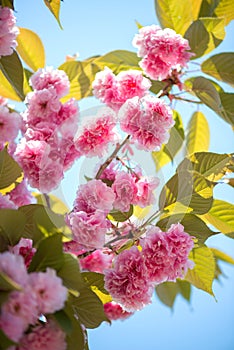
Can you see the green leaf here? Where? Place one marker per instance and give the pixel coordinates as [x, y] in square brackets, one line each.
[70, 273]
[212, 166]
[220, 67]
[118, 60]
[222, 256]
[12, 223]
[120, 216]
[10, 172]
[75, 339]
[6, 89]
[227, 101]
[168, 291]
[217, 8]
[49, 254]
[169, 151]
[203, 273]
[12, 68]
[31, 230]
[5, 342]
[56, 204]
[7, 284]
[221, 216]
[54, 7]
[63, 320]
[176, 15]
[198, 133]
[186, 192]
[96, 282]
[31, 49]
[204, 35]
[193, 225]
[27, 76]
[89, 308]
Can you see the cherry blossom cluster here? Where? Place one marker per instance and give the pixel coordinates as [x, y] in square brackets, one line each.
[47, 148]
[163, 257]
[95, 200]
[21, 313]
[8, 31]
[161, 50]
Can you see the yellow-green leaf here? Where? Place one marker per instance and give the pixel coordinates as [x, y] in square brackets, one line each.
[198, 137]
[218, 8]
[31, 49]
[203, 273]
[175, 14]
[56, 204]
[6, 89]
[221, 216]
[220, 67]
[205, 34]
[222, 256]
[54, 7]
[10, 172]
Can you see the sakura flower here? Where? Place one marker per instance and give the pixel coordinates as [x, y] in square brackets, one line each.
[20, 195]
[104, 86]
[12, 326]
[127, 281]
[6, 203]
[8, 31]
[49, 290]
[94, 195]
[48, 336]
[148, 120]
[48, 77]
[88, 229]
[24, 248]
[96, 134]
[145, 187]
[10, 124]
[50, 175]
[13, 266]
[114, 311]
[125, 190]
[96, 261]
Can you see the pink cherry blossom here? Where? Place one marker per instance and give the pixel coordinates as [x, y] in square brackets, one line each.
[13, 326]
[8, 31]
[68, 111]
[5, 202]
[21, 195]
[42, 131]
[10, 124]
[13, 266]
[94, 195]
[104, 87]
[110, 172]
[114, 311]
[48, 336]
[50, 176]
[24, 248]
[148, 120]
[145, 187]
[48, 77]
[97, 261]
[49, 290]
[162, 50]
[97, 133]
[127, 281]
[88, 229]
[125, 190]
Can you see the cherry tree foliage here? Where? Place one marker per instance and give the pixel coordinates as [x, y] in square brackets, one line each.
[66, 270]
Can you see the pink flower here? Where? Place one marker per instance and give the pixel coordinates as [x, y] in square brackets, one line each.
[127, 282]
[8, 31]
[97, 261]
[115, 90]
[48, 77]
[19, 305]
[25, 249]
[157, 255]
[13, 266]
[145, 187]
[43, 105]
[49, 290]
[42, 131]
[162, 50]
[181, 243]
[6, 203]
[96, 133]
[148, 120]
[12, 326]
[125, 190]
[10, 124]
[88, 229]
[46, 336]
[94, 195]
[115, 311]
[50, 176]
[110, 172]
[20, 195]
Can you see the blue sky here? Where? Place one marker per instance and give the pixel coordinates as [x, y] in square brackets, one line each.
[96, 27]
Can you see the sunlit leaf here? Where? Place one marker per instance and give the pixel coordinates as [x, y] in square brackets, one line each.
[220, 66]
[54, 7]
[204, 35]
[198, 137]
[7, 3]
[27, 76]
[203, 273]
[117, 215]
[221, 216]
[6, 89]
[56, 204]
[12, 68]
[31, 49]
[96, 282]
[118, 60]
[10, 171]
[217, 8]
[222, 256]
